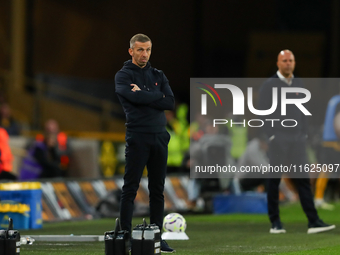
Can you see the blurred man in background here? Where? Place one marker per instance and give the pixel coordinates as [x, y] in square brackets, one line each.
[178, 128]
[145, 94]
[7, 121]
[330, 153]
[48, 156]
[256, 155]
[287, 145]
[6, 157]
[212, 148]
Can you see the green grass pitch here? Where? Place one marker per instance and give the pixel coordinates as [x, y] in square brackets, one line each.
[210, 234]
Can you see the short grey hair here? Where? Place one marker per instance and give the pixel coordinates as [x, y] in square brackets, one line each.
[139, 38]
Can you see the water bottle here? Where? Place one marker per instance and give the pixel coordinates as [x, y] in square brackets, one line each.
[152, 240]
[137, 239]
[3, 234]
[122, 242]
[109, 239]
[12, 242]
[117, 241]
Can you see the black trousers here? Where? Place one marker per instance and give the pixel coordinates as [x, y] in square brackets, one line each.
[150, 150]
[289, 149]
[4, 175]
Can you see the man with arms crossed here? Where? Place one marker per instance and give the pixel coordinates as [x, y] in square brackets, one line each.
[287, 145]
[144, 93]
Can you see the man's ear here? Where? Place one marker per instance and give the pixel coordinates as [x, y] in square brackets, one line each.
[130, 52]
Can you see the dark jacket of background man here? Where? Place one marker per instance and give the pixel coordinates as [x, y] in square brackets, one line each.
[292, 111]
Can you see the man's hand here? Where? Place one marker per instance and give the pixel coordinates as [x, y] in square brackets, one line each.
[135, 87]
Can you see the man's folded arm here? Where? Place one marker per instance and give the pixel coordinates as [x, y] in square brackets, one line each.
[168, 100]
[123, 88]
[165, 103]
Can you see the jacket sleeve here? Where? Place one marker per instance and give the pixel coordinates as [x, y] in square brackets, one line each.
[141, 97]
[305, 119]
[168, 101]
[264, 104]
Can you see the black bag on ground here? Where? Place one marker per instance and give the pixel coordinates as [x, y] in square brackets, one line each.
[3, 234]
[10, 240]
[117, 241]
[137, 239]
[152, 240]
[146, 239]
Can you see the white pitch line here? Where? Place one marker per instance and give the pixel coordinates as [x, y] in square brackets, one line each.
[68, 238]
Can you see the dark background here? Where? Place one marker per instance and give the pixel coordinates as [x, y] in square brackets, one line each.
[231, 38]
